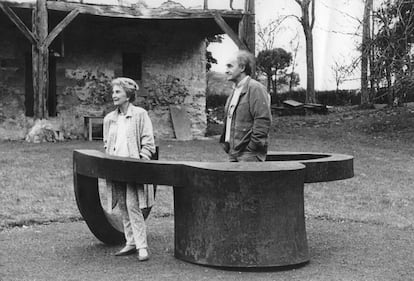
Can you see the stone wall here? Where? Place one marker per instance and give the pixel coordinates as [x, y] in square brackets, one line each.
[13, 123]
[173, 72]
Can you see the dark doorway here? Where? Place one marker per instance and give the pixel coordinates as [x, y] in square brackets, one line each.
[52, 99]
[132, 66]
[29, 96]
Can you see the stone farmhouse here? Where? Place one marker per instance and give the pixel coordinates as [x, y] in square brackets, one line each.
[57, 59]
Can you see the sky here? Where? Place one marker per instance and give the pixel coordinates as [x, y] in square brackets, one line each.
[335, 21]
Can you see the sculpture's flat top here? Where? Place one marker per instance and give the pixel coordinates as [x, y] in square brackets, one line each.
[319, 167]
[217, 166]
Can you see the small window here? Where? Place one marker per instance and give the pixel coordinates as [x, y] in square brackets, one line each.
[132, 66]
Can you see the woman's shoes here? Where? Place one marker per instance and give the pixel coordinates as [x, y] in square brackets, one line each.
[127, 250]
[143, 254]
[130, 249]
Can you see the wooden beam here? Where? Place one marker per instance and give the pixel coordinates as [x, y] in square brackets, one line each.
[19, 23]
[130, 12]
[229, 31]
[58, 28]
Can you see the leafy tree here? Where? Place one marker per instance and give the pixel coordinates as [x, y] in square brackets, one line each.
[273, 62]
[393, 59]
[209, 55]
[210, 60]
[267, 37]
[292, 79]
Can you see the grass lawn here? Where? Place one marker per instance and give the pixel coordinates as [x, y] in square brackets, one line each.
[37, 183]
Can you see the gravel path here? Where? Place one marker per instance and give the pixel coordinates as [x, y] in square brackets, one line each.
[339, 250]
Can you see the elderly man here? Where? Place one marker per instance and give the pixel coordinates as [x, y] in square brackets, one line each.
[247, 112]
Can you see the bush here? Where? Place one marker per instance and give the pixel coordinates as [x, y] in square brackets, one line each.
[334, 98]
[217, 84]
[382, 95]
[339, 98]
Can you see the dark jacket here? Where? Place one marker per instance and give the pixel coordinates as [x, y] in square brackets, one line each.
[251, 120]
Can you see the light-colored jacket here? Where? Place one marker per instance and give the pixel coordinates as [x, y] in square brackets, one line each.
[140, 136]
[140, 142]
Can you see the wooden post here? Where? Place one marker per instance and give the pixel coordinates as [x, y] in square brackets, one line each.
[40, 54]
[247, 26]
[40, 40]
[35, 64]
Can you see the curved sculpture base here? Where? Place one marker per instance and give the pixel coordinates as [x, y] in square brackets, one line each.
[106, 227]
[241, 220]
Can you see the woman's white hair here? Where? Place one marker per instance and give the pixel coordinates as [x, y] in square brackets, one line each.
[130, 86]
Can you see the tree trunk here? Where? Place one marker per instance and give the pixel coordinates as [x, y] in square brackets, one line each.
[292, 74]
[365, 52]
[390, 94]
[308, 21]
[310, 88]
[372, 78]
[274, 86]
[269, 81]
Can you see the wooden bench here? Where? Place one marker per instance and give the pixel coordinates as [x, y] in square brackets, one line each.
[225, 214]
[316, 108]
[292, 107]
[89, 121]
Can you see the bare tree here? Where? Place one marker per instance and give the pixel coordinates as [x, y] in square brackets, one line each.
[308, 21]
[341, 72]
[267, 34]
[295, 48]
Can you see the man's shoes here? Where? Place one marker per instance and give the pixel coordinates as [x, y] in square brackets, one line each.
[143, 254]
[127, 250]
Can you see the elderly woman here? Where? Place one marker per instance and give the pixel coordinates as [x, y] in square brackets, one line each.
[128, 133]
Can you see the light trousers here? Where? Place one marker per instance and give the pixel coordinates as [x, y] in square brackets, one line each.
[135, 229]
